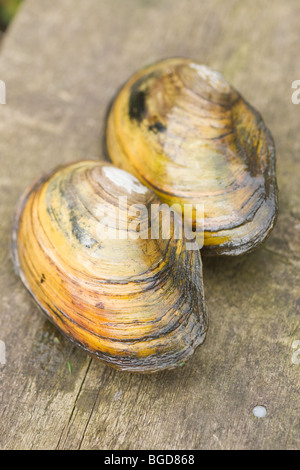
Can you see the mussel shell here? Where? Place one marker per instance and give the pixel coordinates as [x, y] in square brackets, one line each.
[135, 304]
[182, 130]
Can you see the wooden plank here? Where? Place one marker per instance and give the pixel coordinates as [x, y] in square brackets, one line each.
[62, 65]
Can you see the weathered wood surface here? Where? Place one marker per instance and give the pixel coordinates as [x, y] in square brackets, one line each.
[62, 64]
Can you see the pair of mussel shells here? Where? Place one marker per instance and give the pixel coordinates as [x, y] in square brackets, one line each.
[178, 135]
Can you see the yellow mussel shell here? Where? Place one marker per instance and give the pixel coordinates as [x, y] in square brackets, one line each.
[184, 132]
[134, 302]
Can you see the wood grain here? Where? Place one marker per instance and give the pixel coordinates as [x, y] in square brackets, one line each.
[62, 67]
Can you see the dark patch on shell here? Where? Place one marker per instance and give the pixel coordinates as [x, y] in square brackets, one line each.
[137, 105]
[157, 127]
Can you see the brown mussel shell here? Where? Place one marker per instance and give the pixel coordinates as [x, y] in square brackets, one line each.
[184, 132]
[136, 304]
